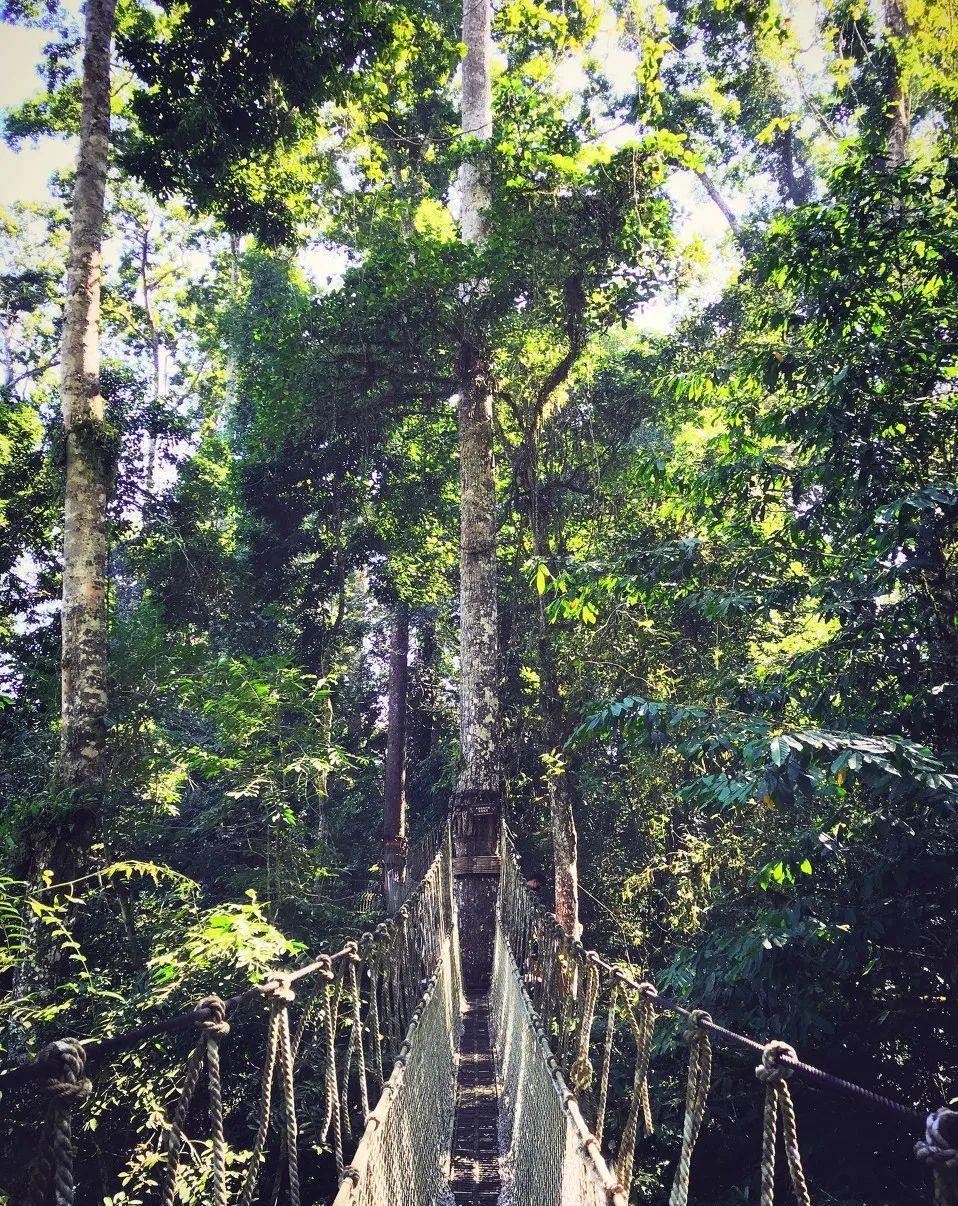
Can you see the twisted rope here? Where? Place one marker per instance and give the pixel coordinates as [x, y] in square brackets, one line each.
[314, 1007]
[941, 1155]
[332, 1114]
[281, 997]
[774, 1074]
[354, 965]
[581, 1073]
[265, 1108]
[642, 1021]
[606, 1063]
[66, 1086]
[213, 1029]
[696, 1092]
[374, 1024]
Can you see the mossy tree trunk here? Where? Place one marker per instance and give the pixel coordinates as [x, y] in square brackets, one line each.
[81, 762]
[477, 803]
[394, 778]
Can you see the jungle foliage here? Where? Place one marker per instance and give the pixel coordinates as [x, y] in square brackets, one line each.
[728, 553]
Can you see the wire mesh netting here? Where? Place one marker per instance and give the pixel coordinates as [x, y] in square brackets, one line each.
[552, 1157]
[375, 1022]
[403, 1155]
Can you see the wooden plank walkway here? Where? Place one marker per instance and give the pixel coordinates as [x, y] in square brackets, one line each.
[474, 1173]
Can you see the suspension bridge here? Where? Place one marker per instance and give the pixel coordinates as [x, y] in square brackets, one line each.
[431, 1087]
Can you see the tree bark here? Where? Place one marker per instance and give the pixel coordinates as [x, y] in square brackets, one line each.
[559, 780]
[898, 107]
[424, 731]
[719, 202]
[478, 798]
[84, 616]
[394, 785]
[61, 842]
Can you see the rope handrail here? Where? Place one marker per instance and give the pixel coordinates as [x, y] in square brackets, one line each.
[369, 991]
[563, 974]
[723, 1034]
[731, 1038]
[429, 849]
[126, 1040]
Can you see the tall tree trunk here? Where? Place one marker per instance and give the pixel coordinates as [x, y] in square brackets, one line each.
[478, 798]
[898, 107]
[156, 350]
[719, 202]
[559, 778]
[62, 843]
[394, 785]
[424, 733]
[83, 617]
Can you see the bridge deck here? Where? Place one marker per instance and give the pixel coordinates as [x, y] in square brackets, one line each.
[474, 1175]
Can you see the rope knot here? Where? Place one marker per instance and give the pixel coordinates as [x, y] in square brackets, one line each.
[70, 1054]
[351, 952]
[935, 1149]
[69, 1092]
[649, 991]
[581, 1074]
[278, 988]
[774, 1067]
[216, 1026]
[697, 1019]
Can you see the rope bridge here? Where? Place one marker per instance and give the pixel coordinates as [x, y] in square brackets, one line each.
[374, 1033]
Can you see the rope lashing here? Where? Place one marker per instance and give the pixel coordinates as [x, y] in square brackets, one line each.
[642, 1020]
[65, 1088]
[939, 1150]
[696, 1092]
[606, 1062]
[773, 1072]
[355, 964]
[278, 1052]
[213, 1029]
[582, 1072]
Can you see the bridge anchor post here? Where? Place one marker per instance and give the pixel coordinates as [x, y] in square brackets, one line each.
[476, 818]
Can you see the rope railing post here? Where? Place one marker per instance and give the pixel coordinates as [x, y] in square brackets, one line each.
[642, 1021]
[606, 1063]
[213, 1029]
[66, 1086]
[773, 1072]
[581, 1073]
[700, 1077]
[939, 1150]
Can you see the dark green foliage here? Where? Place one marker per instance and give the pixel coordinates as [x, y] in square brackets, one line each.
[730, 552]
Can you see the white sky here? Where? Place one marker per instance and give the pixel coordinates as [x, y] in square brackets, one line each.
[24, 177]
[24, 174]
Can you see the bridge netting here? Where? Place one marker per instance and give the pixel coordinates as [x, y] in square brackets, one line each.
[403, 1153]
[550, 1155]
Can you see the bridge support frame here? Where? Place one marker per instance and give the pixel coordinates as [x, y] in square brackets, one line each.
[476, 821]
